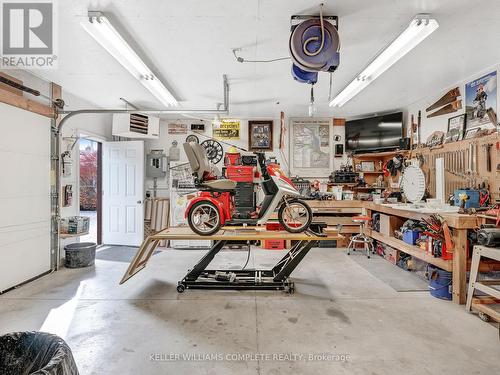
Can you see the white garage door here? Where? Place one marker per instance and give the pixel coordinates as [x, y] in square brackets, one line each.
[24, 196]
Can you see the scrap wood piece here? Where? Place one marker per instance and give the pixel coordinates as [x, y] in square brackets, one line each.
[450, 108]
[447, 236]
[447, 98]
[141, 258]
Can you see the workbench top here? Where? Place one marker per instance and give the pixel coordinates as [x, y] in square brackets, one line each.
[454, 220]
[242, 234]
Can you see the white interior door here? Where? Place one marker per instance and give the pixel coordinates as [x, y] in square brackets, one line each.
[123, 193]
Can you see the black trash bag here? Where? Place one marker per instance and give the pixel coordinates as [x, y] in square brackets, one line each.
[35, 353]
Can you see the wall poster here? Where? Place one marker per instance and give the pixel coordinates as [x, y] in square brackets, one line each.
[311, 147]
[226, 129]
[177, 128]
[480, 97]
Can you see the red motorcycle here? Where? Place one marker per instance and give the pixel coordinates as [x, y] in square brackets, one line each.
[214, 206]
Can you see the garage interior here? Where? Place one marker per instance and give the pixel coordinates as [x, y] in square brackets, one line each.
[253, 187]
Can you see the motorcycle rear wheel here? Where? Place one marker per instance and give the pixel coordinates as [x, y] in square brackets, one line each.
[204, 218]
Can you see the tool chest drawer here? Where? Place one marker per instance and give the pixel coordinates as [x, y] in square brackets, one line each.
[239, 173]
[244, 195]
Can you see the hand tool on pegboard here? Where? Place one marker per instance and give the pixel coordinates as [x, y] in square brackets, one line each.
[419, 124]
[487, 152]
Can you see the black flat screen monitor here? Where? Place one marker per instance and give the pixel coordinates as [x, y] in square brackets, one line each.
[371, 134]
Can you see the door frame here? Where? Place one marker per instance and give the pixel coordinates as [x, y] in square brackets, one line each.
[99, 140]
[99, 193]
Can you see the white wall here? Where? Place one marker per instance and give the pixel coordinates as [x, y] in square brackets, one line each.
[165, 141]
[429, 125]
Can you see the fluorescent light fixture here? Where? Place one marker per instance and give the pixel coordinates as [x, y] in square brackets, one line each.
[99, 27]
[420, 28]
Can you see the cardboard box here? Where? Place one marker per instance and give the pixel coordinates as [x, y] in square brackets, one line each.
[391, 254]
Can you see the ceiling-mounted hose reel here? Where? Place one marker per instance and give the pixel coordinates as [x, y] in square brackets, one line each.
[314, 46]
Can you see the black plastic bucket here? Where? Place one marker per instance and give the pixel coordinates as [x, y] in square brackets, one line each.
[80, 254]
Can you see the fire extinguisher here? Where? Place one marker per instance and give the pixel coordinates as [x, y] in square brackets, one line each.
[67, 164]
[68, 195]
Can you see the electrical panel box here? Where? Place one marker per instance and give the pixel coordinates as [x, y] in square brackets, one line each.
[156, 164]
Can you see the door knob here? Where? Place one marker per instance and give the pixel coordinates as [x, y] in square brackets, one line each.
[139, 202]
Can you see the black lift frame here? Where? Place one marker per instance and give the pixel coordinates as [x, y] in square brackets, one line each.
[276, 278]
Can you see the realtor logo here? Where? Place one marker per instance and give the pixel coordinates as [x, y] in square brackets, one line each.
[28, 34]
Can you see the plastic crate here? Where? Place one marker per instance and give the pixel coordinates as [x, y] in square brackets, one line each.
[75, 225]
[273, 244]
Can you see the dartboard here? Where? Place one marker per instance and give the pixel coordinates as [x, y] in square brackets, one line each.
[213, 149]
[413, 183]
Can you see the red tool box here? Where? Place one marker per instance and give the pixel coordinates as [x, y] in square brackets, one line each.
[273, 244]
[274, 225]
[239, 173]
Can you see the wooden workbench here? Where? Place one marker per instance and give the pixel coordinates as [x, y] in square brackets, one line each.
[277, 278]
[343, 211]
[336, 213]
[459, 225]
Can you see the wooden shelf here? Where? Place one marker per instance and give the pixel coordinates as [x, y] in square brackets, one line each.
[487, 217]
[412, 250]
[66, 235]
[342, 183]
[368, 188]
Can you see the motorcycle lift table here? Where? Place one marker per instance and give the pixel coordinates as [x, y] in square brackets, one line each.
[199, 277]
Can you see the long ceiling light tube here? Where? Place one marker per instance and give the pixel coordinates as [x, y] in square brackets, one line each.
[418, 30]
[101, 29]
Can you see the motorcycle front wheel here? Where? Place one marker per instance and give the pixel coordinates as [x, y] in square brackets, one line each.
[295, 215]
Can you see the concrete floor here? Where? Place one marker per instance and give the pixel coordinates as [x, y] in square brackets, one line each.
[339, 308]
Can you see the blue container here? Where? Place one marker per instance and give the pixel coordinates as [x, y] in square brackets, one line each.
[472, 202]
[439, 283]
[410, 236]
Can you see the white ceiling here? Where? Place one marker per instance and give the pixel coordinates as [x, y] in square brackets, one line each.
[188, 43]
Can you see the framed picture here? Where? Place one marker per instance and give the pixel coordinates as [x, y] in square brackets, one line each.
[456, 127]
[471, 133]
[367, 166]
[260, 135]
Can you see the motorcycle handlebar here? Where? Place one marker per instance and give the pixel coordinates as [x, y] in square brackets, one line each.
[261, 159]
